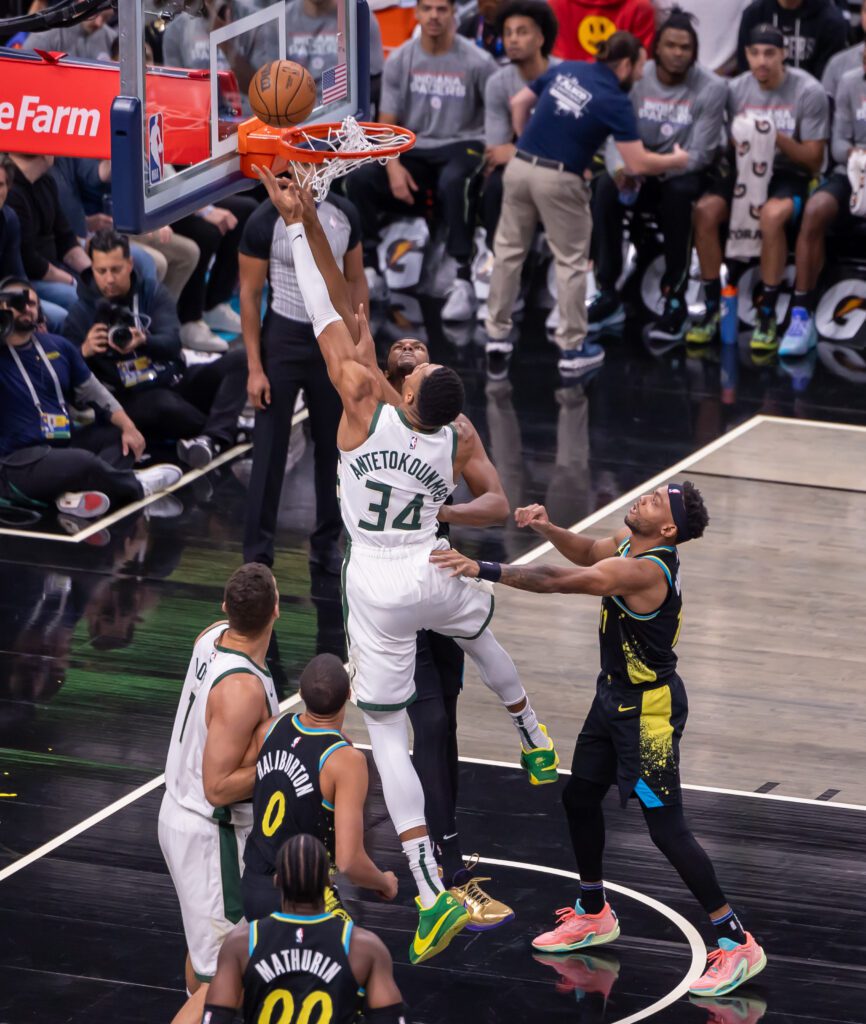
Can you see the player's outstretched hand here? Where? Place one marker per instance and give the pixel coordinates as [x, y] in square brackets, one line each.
[308, 207]
[534, 516]
[283, 193]
[460, 565]
[390, 892]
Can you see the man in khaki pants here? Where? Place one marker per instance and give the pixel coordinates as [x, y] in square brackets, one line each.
[574, 106]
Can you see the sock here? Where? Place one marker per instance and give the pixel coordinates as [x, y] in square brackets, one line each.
[526, 724]
[592, 897]
[713, 294]
[464, 272]
[451, 861]
[425, 871]
[769, 295]
[728, 927]
[806, 300]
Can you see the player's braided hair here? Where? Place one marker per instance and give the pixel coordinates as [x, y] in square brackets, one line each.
[696, 510]
[440, 397]
[302, 870]
[539, 11]
[679, 19]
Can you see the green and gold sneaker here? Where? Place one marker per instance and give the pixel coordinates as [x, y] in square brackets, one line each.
[437, 926]
[765, 337]
[540, 762]
[704, 330]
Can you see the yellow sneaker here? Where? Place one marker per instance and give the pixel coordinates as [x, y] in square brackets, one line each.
[540, 762]
[333, 904]
[437, 926]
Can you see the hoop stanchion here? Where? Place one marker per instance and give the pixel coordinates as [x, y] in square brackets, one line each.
[319, 153]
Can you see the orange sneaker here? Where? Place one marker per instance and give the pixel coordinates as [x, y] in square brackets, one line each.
[577, 930]
[729, 966]
[582, 973]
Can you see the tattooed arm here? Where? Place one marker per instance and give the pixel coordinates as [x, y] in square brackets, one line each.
[620, 576]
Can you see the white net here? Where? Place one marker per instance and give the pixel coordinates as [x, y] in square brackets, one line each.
[365, 141]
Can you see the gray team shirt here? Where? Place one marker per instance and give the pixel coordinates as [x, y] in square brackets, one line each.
[838, 65]
[849, 123]
[799, 108]
[75, 41]
[501, 86]
[691, 114]
[441, 97]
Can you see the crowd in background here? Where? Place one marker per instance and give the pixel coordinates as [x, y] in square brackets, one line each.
[118, 345]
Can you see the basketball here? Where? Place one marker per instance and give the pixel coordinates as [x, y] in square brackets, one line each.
[282, 93]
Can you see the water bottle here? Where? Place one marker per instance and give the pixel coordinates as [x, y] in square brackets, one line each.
[729, 373]
[730, 318]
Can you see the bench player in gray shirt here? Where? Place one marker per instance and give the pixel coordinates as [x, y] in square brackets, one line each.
[798, 107]
[828, 208]
[433, 85]
[847, 60]
[676, 101]
[528, 31]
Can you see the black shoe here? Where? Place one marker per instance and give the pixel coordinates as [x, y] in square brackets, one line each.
[196, 452]
[671, 325]
[605, 310]
[328, 560]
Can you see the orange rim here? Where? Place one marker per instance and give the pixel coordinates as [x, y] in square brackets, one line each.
[294, 142]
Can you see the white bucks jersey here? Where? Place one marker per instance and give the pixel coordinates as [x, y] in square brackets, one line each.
[393, 485]
[209, 664]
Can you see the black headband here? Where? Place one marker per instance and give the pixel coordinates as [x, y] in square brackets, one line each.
[678, 511]
[768, 35]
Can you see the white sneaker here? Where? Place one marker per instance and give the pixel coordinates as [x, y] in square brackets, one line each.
[157, 478]
[83, 504]
[196, 451]
[376, 285]
[460, 302]
[223, 318]
[166, 507]
[200, 338]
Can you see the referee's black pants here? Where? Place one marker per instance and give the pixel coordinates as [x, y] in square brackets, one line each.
[670, 201]
[291, 360]
[92, 461]
[452, 173]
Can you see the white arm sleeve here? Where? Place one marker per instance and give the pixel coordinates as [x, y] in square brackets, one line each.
[314, 291]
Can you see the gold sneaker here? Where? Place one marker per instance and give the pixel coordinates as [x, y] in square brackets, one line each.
[485, 912]
[333, 904]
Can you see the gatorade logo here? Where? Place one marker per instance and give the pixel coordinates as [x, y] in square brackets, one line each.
[397, 251]
[841, 313]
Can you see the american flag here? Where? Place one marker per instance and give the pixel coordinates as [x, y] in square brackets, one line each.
[334, 83]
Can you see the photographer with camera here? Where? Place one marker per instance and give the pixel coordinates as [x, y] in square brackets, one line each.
[44, 457]
[128, 331]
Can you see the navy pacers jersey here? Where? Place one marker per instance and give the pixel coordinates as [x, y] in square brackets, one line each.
[287, 795]
[299, 971]
[638, 650]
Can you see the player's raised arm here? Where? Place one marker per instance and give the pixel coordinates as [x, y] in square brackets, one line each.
[573, 546]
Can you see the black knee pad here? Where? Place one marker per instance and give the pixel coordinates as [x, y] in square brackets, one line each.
[581, 795]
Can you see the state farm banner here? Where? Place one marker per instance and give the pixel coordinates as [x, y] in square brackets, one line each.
[63, 107]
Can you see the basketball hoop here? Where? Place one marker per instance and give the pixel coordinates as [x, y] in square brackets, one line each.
[320, 153]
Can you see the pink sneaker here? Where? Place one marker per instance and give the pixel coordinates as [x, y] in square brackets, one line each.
[739, 1009]
[729, 966]
[576, 930]
[582, 973]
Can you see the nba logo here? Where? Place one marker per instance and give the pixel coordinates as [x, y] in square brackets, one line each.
[299, 935]
[413, 443]
[155, 149]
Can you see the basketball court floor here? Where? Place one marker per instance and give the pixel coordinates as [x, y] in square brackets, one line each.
[97, 629]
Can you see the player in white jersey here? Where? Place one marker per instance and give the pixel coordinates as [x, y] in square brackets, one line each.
[398, 465]
[206, 813]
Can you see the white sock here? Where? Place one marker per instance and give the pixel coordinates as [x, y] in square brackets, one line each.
[425, 871]
[528, 729]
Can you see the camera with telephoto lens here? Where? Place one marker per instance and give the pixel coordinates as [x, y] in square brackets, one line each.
[120, 322]
[17, 300]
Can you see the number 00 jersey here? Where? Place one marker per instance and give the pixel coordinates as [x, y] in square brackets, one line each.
[392, 486]
[638, 650]
[209, 664]
[287, 797]
[299, 971]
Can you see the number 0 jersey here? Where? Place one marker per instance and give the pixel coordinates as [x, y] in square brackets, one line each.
[287, 797]
[638, 650]
[299, 971]
[392, 486]
[209, 664]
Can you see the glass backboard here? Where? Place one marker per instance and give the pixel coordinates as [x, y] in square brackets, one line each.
[174, 125]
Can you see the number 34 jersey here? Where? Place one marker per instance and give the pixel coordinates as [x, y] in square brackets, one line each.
[299, 971]
[393, 485]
